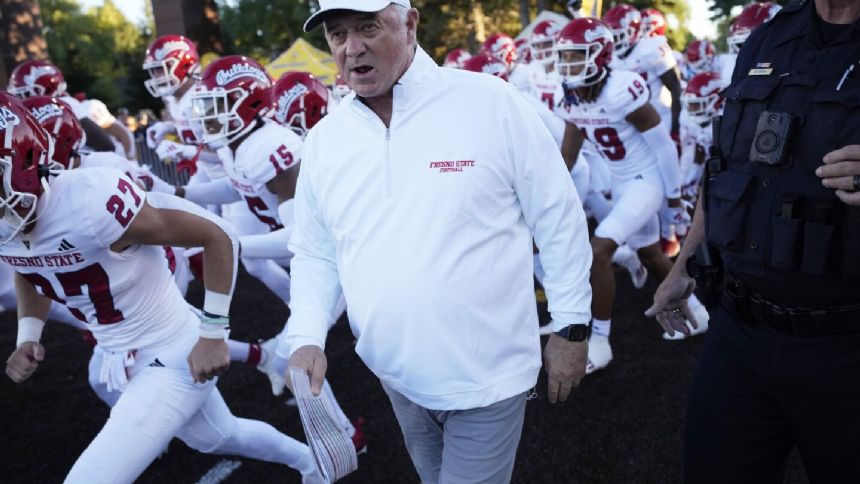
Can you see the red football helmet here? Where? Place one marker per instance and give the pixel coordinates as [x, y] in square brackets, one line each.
[456, 58]
[701, 98]
[524, 52]
[584, 51]
[751, 17]
[36, 78]
[541, 41]
[57, 118]
[653, 22]
[232, 93]
[625, 22]
[700, 55]
[340, 89]
[24, 159]
[487, 64]
[170, 61]
[300, 101]
[501, 46]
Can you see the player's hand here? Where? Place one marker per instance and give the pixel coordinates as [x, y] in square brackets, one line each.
[157, 132]
[839, 171]
[171, 150]
[677, 215]
[311, 359]
[208, 359]
[24, 361]
[565, 366]
[670, 303]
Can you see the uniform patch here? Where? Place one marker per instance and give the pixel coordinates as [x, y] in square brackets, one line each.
[761, 69]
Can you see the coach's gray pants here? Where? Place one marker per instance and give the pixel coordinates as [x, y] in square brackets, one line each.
[461, 446]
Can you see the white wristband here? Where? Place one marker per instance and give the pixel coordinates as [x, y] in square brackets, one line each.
[217, 303]
[214, 327]
[29, 330]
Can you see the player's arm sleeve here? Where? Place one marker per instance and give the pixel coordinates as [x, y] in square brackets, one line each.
[662, 60]
[315, 287]
[271, 245]
[663, 148]
[113, 201]
[213, 192]
[553, 212]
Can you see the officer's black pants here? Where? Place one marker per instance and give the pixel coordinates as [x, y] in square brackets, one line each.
[757, 392]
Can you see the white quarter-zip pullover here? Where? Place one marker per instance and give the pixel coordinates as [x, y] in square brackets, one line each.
[427, 226]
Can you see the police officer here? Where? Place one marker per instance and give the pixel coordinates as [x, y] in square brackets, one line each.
[780, 367]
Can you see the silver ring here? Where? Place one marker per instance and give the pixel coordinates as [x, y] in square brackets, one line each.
[676, 310]
[856, 181]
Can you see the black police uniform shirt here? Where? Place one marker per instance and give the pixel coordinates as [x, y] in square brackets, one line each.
[778, 229]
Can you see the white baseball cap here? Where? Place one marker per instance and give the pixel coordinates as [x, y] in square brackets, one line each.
[354, 5]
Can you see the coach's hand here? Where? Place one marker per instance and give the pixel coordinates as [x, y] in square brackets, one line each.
[565, 366]
[24, 361]
[208, 359]
[311, 359]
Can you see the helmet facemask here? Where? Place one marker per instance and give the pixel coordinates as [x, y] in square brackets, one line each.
[700, 109]
[543, 51]
[214, 114]
[623, 39]
[736, 40]
[577, 66]
[162, 77]
[18, 209]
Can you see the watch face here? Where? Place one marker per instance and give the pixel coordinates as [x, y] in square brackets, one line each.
[578, 332]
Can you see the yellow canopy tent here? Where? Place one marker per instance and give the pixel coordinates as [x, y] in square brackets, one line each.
[302, 56]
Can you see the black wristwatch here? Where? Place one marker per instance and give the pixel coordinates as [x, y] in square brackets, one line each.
[575, 332]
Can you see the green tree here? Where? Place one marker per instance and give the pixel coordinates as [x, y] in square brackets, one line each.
[97, 50]
[262, 29]
[722, 8]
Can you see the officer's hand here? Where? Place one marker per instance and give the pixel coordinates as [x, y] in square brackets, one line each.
[24, 361]
[841, 168]
[208, 359]
[565, 366]
[670, 303]
[311, 359]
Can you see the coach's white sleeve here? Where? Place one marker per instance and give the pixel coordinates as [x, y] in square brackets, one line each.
[553, 212]
[315, 287]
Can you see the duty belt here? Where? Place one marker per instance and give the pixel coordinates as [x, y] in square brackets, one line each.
[801, 321]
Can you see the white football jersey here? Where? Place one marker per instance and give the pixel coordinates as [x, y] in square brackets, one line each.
[267, 152]
[603, 123]
[651, 57]
[694, 137]
[519, 77]
[544, 85]
[127, 299]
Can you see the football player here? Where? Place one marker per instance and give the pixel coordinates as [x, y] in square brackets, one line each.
[610, 108]
[56, 118]
[702, 103]
[92, 240]
[231, 107]
[104, 132]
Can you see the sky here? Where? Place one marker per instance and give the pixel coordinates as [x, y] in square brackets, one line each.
[700, 25]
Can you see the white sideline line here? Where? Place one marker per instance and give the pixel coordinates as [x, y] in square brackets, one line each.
[219, 471]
